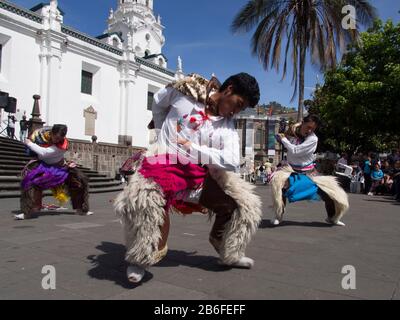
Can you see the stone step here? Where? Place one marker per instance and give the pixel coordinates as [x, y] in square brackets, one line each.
[97, 185]
[5, 179]
[12, 162]
[10, 172]
[8, 140]
[11, 167]
[100, 179]
[12, 143]
[107, 190]
[96, 175]
[16, 149]
[15, 157]
[13, 154]
[9, 186]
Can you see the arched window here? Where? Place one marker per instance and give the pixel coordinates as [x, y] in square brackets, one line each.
[161, 62]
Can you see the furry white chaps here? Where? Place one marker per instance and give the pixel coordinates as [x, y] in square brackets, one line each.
[328, 184]
[140, 206]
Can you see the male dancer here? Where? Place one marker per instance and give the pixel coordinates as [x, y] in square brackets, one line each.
[51, 171]
[190, 170]
[298, 180]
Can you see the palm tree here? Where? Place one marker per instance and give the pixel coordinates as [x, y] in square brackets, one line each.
[309, 25]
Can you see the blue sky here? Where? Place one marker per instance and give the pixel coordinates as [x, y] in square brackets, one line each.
[199, 31]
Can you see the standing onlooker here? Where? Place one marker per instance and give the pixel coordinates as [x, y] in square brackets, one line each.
[11, 126]
[23, 125]
[261, 169]
[367, 174]
[376, 178]
[268, 170]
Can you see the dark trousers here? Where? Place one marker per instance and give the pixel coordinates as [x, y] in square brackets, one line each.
[10, 132]
[77, 186]
[368, 183]
[329, 204]
[217, 201]
[223, 206]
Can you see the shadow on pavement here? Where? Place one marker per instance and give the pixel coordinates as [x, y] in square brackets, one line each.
[177, 258]
[112, 266]
[266, 224]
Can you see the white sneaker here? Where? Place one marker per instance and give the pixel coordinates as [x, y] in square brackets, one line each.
[81, 213]
[339, 223]
[370, 194]
[135, 273]
[275, 222]
[20, 216]
[243, 262]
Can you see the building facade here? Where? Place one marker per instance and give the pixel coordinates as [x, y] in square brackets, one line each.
[257, 137]
[100, 86]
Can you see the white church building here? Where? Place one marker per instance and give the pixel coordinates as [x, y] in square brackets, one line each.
[99, 86]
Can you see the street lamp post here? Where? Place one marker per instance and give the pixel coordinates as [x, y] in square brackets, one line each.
[282, 129]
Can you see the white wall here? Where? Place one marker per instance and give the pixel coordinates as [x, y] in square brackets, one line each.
[20, 75]
[63, 101]
[139, 116]
[105, 98]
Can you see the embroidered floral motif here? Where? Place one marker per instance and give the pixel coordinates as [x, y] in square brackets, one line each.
[194, 122]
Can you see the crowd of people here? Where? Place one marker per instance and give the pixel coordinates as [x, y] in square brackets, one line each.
[374, 174]
[370, 173]
[258, 172]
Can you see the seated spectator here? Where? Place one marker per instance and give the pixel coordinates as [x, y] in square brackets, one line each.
[376, 178]
[341, 161]
[386, 186]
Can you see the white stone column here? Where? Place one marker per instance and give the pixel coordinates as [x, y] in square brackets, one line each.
[129, 101]
[126, 107]
[121, 107]
[44, 64]
[50, 61]
[54, 78]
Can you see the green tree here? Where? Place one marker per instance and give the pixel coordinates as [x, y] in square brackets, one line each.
[307, 25]
[360, 100]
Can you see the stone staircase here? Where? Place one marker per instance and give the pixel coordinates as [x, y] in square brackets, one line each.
[13, 158]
